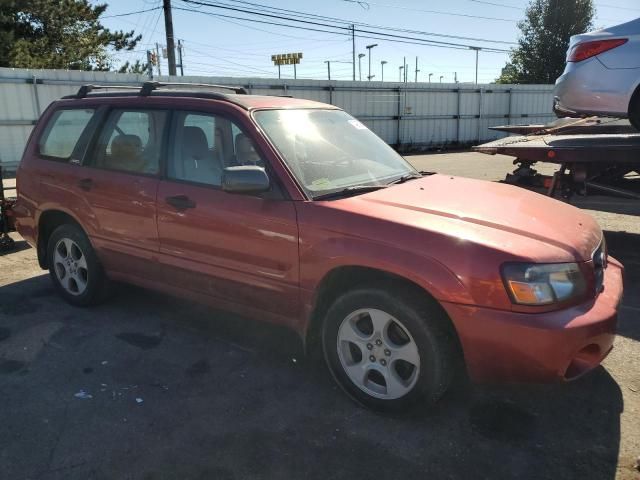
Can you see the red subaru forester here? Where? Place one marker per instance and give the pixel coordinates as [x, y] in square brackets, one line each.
[293, 212]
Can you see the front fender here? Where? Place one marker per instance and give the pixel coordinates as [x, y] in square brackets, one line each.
[318, 259]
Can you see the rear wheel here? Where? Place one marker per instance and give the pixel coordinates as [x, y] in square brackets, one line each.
[74, 267]
[389, 350]
[634, 111]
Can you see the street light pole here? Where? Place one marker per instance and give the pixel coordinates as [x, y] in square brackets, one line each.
[360, 55]
[441, 77]
[369, 47]
[430, 77]
[382, 64]
[400, 75]
[477, 49]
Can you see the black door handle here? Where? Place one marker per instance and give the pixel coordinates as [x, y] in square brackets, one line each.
[85, 184]
[181, 202]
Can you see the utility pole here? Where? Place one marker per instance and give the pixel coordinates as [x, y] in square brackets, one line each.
[328, 69]
[158, 58]
[370, 47]
[382, 64]
[417, 70]
[477, 49]
[295, 74]
[360, 55]
[430, 75]
[168, 28]
[400, 74]
[149, 64]
[353, 49]
[404, 70]
[180, 58]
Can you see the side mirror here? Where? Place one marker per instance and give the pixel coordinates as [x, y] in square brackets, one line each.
[245, 179]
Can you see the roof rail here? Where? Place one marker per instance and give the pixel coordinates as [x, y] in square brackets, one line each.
[148, 87]
[85, 89]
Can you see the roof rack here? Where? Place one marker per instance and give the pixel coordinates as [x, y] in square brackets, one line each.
[148, 87]
[85, 89]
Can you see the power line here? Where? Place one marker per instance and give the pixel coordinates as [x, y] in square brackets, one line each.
[436, 12]
[391, 37]
[298, 13]
[132, 13]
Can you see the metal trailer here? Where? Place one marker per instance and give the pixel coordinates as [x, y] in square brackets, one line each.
[594, 156]
[6, 217]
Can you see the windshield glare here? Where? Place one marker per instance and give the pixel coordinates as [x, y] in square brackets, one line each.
[329, 150]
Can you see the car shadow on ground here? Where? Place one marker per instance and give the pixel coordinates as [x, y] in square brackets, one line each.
[147, 386]
[626, 248]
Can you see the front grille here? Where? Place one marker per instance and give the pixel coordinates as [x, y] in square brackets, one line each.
[599, 264]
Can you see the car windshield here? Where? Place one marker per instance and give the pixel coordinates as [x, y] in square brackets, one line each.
[330, 151]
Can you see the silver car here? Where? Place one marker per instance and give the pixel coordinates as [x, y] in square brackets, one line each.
[602, 76]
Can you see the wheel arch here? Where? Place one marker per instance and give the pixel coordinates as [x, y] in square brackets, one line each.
[343, 278]
[48, 221]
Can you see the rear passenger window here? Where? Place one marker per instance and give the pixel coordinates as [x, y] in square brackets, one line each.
[63, 132]
[131, 141]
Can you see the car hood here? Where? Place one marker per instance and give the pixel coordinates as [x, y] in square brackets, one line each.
[509, 218]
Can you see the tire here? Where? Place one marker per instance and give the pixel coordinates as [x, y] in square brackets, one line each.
[74, 267]
[388, 349]
[634, 111]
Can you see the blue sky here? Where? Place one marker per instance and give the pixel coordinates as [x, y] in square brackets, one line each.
[230, 47]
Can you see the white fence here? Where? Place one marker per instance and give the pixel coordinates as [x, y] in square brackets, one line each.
[406, 115]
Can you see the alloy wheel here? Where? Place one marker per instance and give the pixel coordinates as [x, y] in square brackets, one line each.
[378, 353]
[70, 266]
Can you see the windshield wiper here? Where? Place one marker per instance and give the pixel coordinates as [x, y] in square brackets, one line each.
[353, 190]
[405, 178]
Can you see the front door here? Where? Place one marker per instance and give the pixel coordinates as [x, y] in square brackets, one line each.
[240, 249]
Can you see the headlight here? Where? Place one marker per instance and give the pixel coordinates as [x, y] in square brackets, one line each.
[539, 284]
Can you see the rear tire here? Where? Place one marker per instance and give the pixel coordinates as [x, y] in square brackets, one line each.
[388, 349]
[634, 111]
[74, 267]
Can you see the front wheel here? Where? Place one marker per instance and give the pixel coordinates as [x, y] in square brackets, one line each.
[389, 350]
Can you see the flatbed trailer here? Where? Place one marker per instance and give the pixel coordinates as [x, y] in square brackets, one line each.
[593, 155]
[7, 223]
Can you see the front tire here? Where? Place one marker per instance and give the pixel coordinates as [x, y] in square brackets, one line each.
[388, 349]
[74, 267]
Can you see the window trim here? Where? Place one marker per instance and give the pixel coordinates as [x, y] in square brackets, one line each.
[44, 136]
[92, 144]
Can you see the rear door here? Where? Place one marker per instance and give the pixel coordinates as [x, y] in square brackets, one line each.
[120, 186]
[240, 249]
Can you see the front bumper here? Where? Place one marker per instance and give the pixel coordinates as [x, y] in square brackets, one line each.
[502, 346]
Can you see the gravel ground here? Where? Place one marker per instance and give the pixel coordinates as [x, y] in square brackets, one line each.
[152, 387]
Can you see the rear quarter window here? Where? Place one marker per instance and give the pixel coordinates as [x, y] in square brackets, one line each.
[63, 132]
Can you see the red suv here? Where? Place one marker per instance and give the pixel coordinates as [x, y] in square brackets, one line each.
[293, 212]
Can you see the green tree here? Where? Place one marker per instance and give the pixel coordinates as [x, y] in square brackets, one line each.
[545, 31]
[137, 67]
[64, 34]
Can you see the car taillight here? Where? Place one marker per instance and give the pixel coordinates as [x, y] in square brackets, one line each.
[585, 50]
